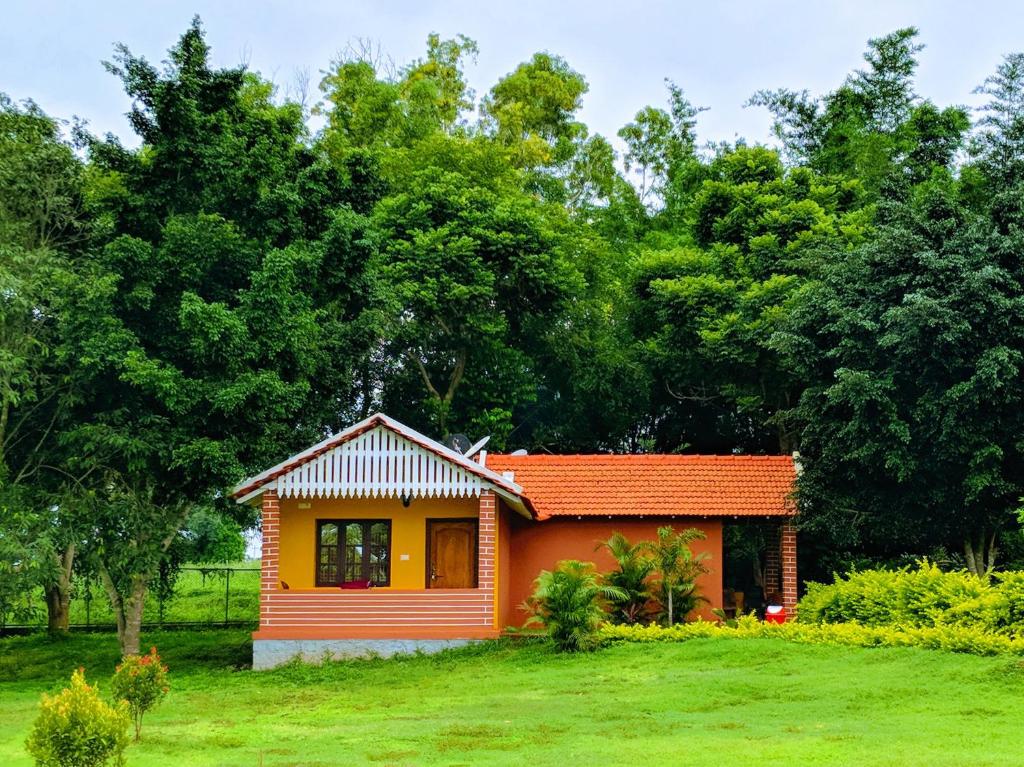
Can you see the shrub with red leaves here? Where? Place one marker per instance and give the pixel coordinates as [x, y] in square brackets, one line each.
[140, 681]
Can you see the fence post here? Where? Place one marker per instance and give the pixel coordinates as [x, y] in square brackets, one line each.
[227, 595]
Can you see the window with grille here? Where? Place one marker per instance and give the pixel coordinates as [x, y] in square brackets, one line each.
[351, 550]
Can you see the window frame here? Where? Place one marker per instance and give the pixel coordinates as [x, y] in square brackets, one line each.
[365, 568]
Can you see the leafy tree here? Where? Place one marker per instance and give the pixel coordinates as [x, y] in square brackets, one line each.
[469, 268]
[370, 107]
[677, 569]
[23, 554]
[660, 148]
[911, 433]
[592, 179]
[437, 84]
[43, 233]
[533, 110]
[998, 142]
[709, 302]
[212, 537]
[219, 334]
[873, 127]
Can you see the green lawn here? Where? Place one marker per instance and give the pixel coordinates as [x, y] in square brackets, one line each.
[705, 702]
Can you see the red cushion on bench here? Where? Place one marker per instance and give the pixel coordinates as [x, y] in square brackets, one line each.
[357, 584]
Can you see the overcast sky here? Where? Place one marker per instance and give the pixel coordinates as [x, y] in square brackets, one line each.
[719, 52]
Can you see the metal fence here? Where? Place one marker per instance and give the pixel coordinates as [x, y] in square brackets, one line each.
[201, 596]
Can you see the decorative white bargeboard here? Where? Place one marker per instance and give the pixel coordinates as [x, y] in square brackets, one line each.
[379, 463]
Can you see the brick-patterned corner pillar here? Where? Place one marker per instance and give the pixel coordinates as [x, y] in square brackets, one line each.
[771, 565]
[485, 554]
[269, 581]
[787, 538]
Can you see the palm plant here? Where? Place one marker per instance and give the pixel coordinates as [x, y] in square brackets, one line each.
[570, 602]
[631, 575]
[678, 569]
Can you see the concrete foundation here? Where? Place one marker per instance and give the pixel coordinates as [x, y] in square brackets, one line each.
[268, 653]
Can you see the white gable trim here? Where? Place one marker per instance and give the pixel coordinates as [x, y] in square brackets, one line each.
[379, 458]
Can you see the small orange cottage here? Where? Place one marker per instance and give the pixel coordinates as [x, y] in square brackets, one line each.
[380, 539]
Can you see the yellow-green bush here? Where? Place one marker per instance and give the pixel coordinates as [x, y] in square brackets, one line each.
[963, 639]
[77, 728]
[919, 597]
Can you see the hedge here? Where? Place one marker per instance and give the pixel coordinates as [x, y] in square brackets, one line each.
[919, 597]
[961, 639]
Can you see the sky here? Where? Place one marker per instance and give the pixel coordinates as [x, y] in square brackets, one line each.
[718, 52]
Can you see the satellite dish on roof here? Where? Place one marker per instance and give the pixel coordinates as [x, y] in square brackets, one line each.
[458, 442]
[477, 447]
[519, 452]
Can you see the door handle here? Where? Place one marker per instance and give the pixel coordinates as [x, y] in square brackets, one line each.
[433, 573]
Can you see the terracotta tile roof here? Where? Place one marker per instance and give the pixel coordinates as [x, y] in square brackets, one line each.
[697, 485]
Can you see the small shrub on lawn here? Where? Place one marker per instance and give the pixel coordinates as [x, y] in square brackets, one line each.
[141, 682]
[960, 639]
[77, 728]
[571, 603]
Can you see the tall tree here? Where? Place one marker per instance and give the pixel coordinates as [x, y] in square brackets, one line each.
[710, 298]
[533, 109]
[911, 435]
[373, 107]
[873, 127]
[661, 149]
[998, 143]
[221, 336]
[472, 265]
[43, 233]
[470, 270]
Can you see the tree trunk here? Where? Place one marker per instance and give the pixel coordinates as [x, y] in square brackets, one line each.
[127, 610]
[58, 593]
[670, 606]
[58, 605]
[133, 619]
[980, 551]
[787, 441]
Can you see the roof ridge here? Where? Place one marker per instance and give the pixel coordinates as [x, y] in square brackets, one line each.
[649, 456]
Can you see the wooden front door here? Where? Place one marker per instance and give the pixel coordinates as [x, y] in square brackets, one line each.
[451, 553]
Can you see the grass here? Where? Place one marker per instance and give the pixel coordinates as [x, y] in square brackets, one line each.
[703, 702]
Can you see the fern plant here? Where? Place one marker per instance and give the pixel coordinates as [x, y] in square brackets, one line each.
[633, 570]
[571, 603]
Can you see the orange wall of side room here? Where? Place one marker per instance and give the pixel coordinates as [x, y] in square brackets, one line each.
[537, 546]
[297, 534]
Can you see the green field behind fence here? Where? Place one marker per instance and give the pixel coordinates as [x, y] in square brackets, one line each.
[199, 596]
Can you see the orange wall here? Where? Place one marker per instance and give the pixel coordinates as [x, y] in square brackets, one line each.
[297, 536]
[539, 546]
[524, 548]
